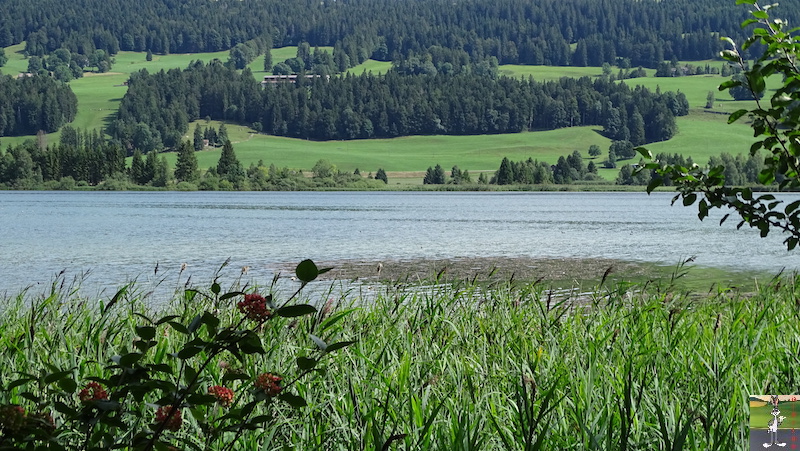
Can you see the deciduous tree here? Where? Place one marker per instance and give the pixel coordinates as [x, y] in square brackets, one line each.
[776, 125]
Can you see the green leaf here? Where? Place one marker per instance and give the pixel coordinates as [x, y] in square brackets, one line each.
[760, 14]
[736, 115]
[792, 207]
[215, 288]
[305, 363]
[644, 152]
[189, 374]
[251, 344]
[230, 295]
[307, 271]
[68, 385]
[743, 2]
[729, 84]
[296, 310]
[757, 83]
[689, 199]
[146, 332]
[729, 55]
[129, 359]
[166, 319]
[188, 352]
[179, 327]
[339, 345]
[655, 182]
[211, 322]
[50, 378]
[293, 400]
[19, 382]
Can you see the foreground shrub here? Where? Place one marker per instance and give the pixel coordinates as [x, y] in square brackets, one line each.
[166, 385]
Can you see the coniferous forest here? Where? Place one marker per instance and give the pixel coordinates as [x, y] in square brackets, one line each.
[444, 77]
[513, 31]
[369, 106]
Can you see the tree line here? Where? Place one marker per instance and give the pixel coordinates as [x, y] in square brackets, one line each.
[157, 108]
[512, 31]
[87, 159]
[31, 104]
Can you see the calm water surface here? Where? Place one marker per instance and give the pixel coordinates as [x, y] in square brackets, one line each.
[121, 236]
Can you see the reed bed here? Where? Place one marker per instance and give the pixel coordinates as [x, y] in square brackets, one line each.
[459, 366]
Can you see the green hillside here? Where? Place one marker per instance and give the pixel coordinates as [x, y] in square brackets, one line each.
[701, 134]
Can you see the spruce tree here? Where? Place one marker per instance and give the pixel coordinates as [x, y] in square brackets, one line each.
[137, 167]
[268, 60]
[505, 175]
[198, 138]
[186, 166]
[381, 175]
[222, 134]
[228, 166]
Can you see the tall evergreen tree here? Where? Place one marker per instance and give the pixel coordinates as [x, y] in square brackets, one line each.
[228, 166]
[197, 138]
[381, 175]
[505, 175]
[186, 166]
[137, 172]
[222, 134]
[268, 60]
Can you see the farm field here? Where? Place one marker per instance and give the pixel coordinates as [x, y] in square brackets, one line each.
[701, 134]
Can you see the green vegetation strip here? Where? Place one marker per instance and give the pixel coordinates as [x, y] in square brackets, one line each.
[701, 134]
[459, 365]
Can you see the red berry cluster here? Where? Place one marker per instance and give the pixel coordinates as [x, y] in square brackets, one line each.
[12, 418]
[254, 307]
[93, 392]
[171, 420]
[270, 383]
[224, 395]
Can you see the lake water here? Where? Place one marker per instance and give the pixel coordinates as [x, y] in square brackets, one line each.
[121, 236]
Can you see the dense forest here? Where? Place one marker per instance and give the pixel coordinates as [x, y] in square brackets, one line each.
[30, 104]
[514, 31]
[158, 107]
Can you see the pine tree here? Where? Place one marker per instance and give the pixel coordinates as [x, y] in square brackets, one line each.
[505, 175]
[222, 134]
[438, 175]
[137, 167]
[428, 179]
[228, 165]
[186, 166]
[198, 138]
[268, 60]
[381, 175]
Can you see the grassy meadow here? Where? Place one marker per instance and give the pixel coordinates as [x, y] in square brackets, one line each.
[701, 134]
[446, 364]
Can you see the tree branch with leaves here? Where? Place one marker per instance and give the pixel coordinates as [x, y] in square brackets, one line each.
[776, 125]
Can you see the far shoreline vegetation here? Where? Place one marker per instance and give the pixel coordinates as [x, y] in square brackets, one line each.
[421, 151]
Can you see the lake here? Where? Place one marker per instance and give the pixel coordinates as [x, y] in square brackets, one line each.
[121, 236]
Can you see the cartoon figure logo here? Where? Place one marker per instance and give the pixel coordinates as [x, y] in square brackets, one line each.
[773, 424]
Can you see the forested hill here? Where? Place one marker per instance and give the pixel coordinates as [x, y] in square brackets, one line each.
[157, 108]
[514, 31]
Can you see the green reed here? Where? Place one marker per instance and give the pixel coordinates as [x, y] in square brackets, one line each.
[460, 365]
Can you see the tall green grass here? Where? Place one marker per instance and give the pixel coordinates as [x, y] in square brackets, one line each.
[464, 365]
